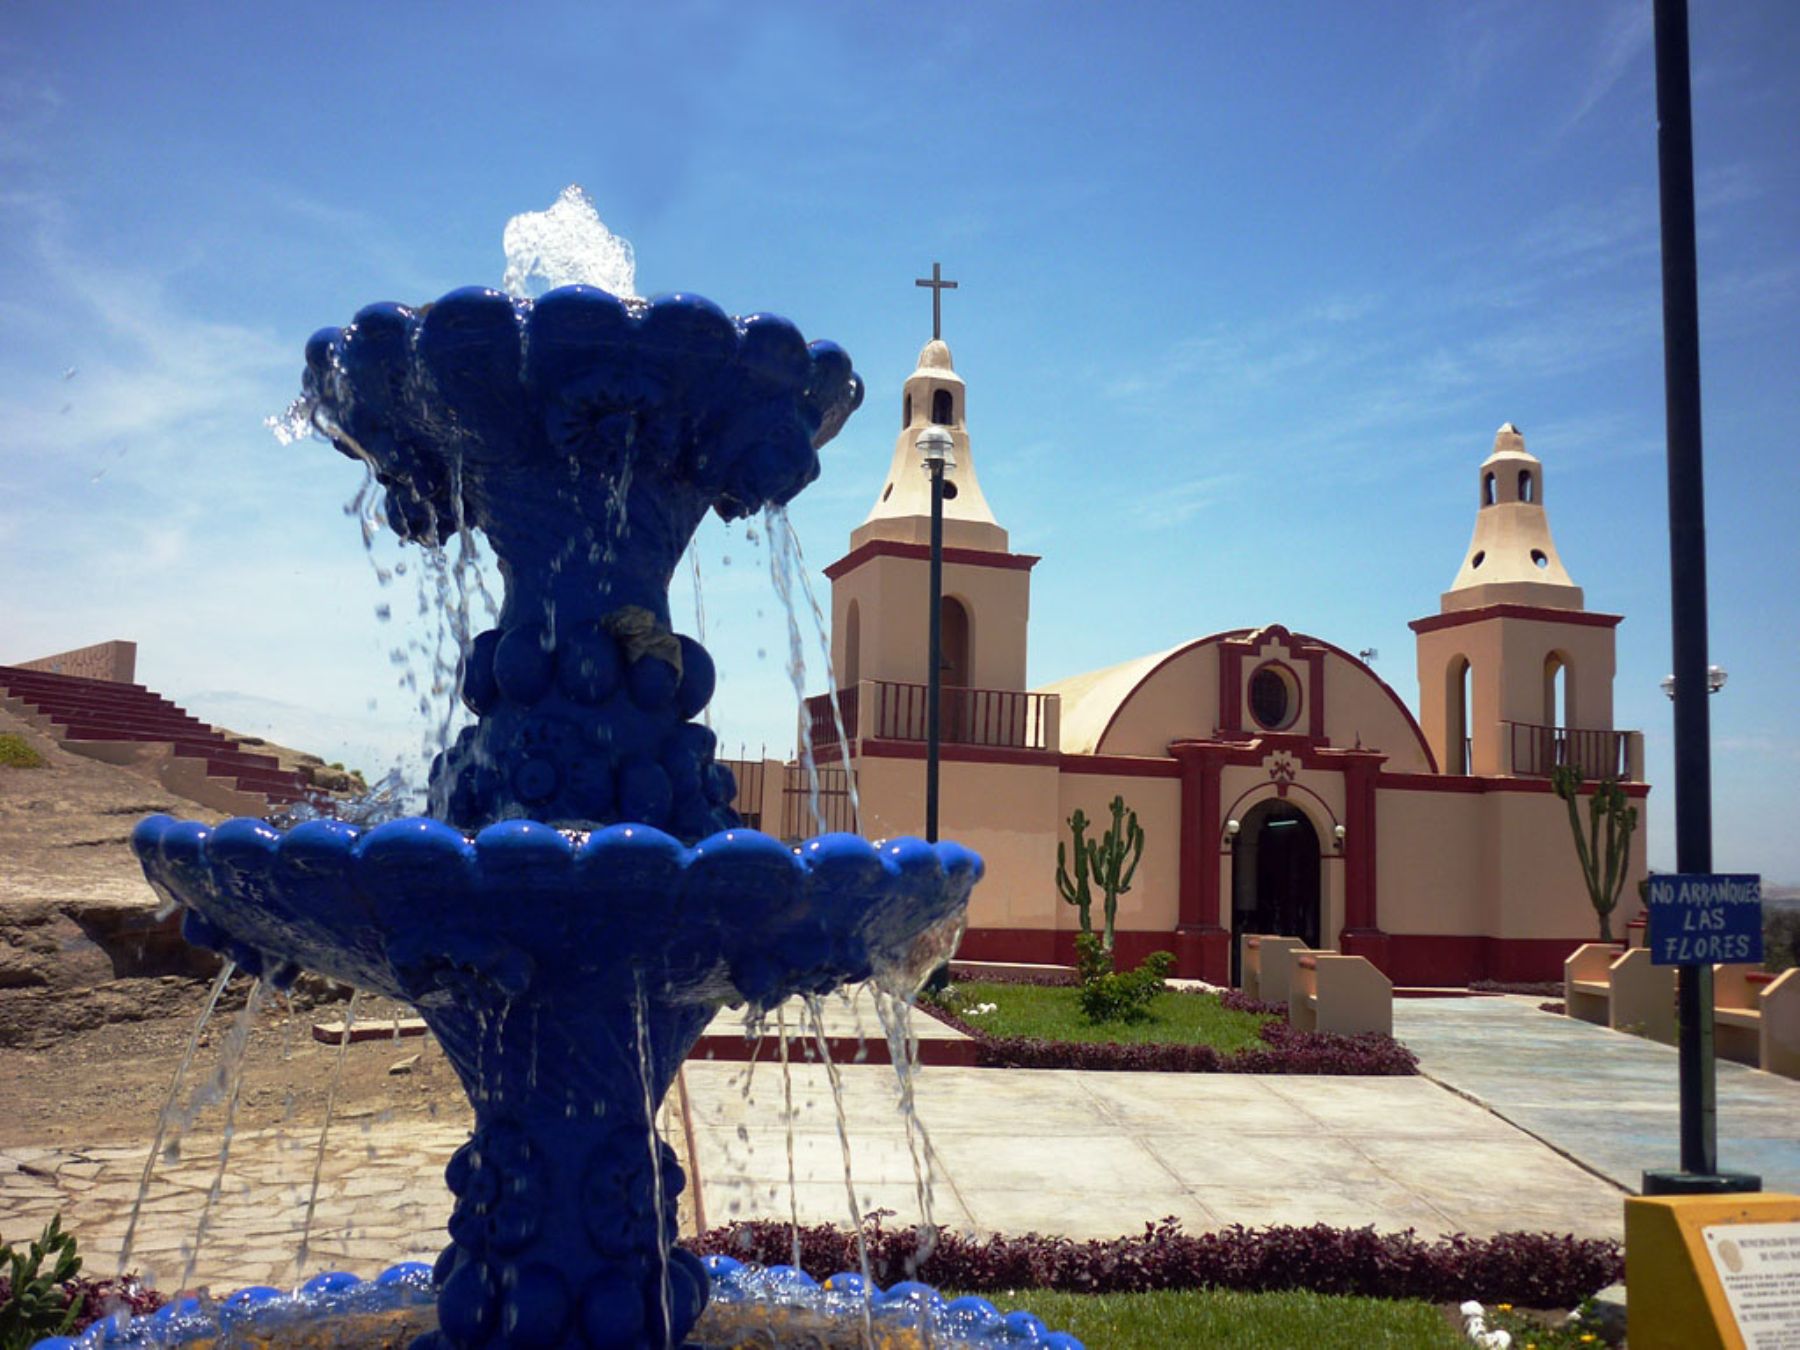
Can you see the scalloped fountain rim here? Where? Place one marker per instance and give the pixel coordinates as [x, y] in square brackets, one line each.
[768, 908]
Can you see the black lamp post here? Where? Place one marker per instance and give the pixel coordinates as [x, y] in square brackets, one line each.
[1692, 679]
[935, 447]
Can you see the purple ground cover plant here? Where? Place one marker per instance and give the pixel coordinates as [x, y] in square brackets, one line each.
[1539, 1270]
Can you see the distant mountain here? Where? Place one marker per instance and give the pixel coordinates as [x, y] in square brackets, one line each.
[369, 745]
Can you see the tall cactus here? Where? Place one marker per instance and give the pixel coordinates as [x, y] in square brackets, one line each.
[1603, 871]
[1076, 892]
[1108, 862]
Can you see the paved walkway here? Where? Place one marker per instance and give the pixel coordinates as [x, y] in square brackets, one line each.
[1100, 1154]
[1604, 1097]
[1084, 1154]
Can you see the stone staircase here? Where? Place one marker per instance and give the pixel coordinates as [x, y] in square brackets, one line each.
[128, 724]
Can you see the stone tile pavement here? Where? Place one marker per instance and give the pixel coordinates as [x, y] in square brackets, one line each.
[1086, 1154]
[1099, 1154]
[1605, 1097]
[381, 1200]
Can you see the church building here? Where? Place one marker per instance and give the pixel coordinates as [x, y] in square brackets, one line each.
[1281, 785]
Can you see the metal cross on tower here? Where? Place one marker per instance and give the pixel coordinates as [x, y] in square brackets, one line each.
[938, 286]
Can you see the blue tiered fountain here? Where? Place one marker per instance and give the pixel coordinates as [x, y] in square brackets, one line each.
[567, 960]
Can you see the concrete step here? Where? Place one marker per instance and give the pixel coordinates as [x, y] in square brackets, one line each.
[185, 728]
[12, 673]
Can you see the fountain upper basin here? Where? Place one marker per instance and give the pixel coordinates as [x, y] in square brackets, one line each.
[415, 909]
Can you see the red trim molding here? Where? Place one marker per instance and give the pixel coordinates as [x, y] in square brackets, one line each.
[1233, 645]
[965, 754]
[1120, 766]
[1432, 782]
[963, 557]
[1457, 617]
[1056, 946]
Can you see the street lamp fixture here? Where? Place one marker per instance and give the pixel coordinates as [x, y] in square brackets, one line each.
[936, 453]
[1715, 681]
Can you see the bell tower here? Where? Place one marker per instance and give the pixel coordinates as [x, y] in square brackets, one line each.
[880, 589]
[1513, 662]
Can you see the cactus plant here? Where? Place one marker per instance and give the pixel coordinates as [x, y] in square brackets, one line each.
[1603, 871]
[1100, 863]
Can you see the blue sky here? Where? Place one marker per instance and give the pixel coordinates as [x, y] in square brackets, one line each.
[1245, 291]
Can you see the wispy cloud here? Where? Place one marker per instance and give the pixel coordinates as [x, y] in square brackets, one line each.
[1624, 38]
[1475, 41]
[1174, 503]
[148, 373]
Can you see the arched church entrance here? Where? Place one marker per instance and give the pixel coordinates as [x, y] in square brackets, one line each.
[1275, 877]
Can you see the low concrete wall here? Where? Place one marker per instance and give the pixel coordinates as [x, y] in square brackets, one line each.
[115, 661]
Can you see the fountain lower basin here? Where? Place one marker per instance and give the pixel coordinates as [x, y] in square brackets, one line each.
[566, 977]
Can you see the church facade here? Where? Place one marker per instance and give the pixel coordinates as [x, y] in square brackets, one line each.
[1281, 785]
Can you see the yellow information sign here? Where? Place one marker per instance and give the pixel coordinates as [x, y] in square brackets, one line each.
[1709, 1272]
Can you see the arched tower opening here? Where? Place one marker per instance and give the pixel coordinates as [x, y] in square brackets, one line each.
[1459, 700]
[852, 667]
[1559, 688]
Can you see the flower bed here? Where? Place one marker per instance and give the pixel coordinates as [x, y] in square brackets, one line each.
[1542, 1270]
[1283, 1049]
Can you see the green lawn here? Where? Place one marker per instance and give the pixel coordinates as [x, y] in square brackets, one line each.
[1212, 1320]
[1053, 1014]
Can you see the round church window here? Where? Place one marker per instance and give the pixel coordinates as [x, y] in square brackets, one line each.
[1274, 697]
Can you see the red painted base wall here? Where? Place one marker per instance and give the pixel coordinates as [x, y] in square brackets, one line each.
[1405, 958]
[1041, 946]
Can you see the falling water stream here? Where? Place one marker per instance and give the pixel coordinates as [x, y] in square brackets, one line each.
[787, 1117]
[815, 1008]
[167, 1115]
[229, 1077]
[646, 1075]
[337, 1077]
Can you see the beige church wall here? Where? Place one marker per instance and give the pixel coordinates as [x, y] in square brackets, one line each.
[1430, 862]
[1180, 699]
[893, 618]
[1484, 885]
[1005, 812]
[1358, 707]
[1321, 797]
[1153, 902]
[1540, 889]
[1507, 658]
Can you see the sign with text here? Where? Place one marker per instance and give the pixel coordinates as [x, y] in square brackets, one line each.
[1758, 1267]
[1705, 919]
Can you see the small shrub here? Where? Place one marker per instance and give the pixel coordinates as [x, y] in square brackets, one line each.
[16, 753]
[1781, 938]
[1539, 1270]
[1108, 995]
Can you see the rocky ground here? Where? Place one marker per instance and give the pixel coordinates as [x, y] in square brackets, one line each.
[98, 996]
[109, 1081]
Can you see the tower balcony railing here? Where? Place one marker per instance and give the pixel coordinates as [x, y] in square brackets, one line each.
[1538, 751]
[1014, 719]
